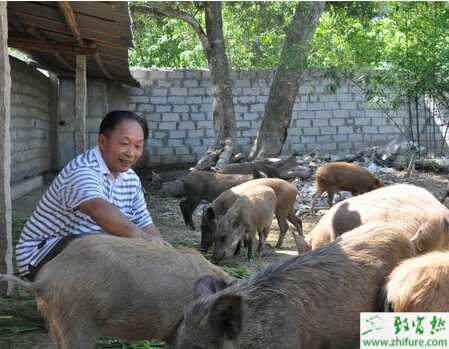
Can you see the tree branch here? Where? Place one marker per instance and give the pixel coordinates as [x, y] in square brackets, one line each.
[173, 13]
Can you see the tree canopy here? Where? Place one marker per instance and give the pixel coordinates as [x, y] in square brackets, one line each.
[405, 41]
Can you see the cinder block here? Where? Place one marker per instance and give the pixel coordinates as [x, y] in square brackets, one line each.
[190, 83]
[320, 122]
[186, 125]
[170, 117]
[177, 134]
[195, 133]
[197, 91]
[178, 91]
[311, 131]
[330, 130]
[345, 130]
[167, 125]
[158, 100]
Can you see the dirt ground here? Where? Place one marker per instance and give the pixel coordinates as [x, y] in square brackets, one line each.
[20, 327]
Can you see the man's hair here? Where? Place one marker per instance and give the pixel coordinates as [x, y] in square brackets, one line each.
[114, 118]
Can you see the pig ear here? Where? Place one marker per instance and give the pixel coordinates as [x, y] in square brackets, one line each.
[210, 214]
[424, 236]
[208, 285]
[429, 232]
[226, 315]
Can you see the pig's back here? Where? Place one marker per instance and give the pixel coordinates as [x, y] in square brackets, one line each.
[129, 278]
[222, 203]
[344, 176]
[401, 203]
[420, 284]
[320, 294]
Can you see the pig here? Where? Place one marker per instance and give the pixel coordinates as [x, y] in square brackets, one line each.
[285, 200]
[343, 176]
[420, 284]
[312, 301]
[251, 213]
[102, 285]
[202, 185]
[400, 203]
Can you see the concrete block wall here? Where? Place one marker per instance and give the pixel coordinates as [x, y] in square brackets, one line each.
[30, 122]
[178, 107]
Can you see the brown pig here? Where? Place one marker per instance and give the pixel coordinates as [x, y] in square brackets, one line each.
[285, 199]
[312, 301]
[343, 176]
[202, 185]
[102, 285]
[404, 204]
[420, 284]
[251, 213]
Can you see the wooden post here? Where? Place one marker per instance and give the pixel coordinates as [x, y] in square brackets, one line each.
[80, 105]
[53, 121]
[5, 155]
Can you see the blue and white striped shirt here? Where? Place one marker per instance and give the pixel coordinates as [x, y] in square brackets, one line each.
[57, 215]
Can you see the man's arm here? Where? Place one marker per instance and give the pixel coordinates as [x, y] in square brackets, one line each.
[110, 218]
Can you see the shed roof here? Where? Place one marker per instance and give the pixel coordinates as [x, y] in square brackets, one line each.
[53, 33]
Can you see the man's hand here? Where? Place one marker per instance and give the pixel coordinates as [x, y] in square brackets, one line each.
[156, 239]
[153, 234]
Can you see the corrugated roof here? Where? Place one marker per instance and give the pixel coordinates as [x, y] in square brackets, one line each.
[53, 33]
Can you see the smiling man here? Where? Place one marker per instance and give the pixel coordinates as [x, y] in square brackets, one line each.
[97, 192]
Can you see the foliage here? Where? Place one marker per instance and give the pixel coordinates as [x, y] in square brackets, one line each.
[254, 33]
[402, 45]
[165, 42]
[399, 53]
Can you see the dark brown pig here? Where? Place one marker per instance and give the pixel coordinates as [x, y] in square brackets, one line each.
[343, 176]
[285, 199]
[101, 285]
[420, 284]
[404, 204]
[202, 185]
[312, 301]
[250, 214]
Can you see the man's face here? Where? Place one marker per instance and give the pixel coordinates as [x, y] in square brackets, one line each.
[122, 147]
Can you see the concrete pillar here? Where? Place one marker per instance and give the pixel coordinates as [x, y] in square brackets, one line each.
[5, 154]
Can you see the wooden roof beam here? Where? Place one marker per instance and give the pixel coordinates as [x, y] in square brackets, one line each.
[38, 35]
[44, 46]
[71, 21]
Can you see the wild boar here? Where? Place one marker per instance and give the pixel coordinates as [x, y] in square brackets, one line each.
[102, 285]
[312, 301]
[343, 176]
[420, 284]
[202, 185]
[285, 200]
[401, 203]
[251, 213]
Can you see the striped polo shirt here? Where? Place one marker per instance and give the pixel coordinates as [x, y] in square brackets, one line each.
[57, 215]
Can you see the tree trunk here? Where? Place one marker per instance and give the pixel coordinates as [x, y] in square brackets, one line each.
[284, 89]
[223, 105]
[215, 50]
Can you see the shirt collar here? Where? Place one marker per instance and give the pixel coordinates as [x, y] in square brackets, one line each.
[103, 167]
